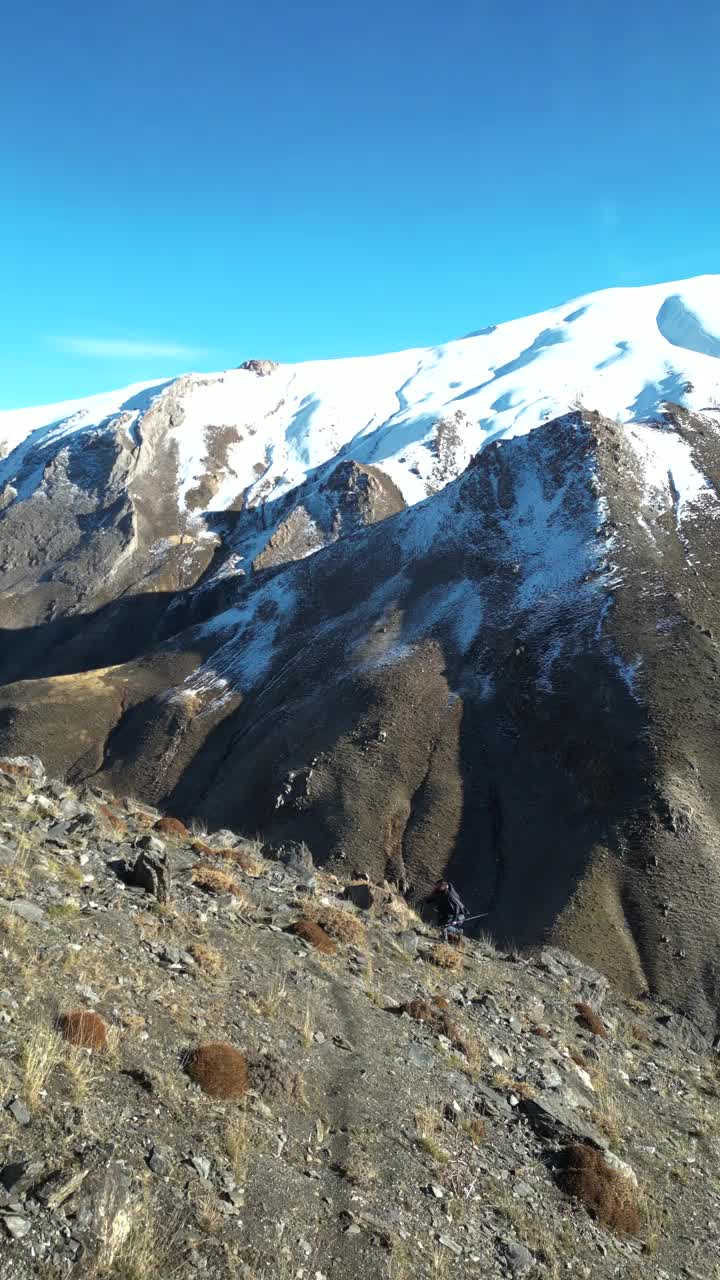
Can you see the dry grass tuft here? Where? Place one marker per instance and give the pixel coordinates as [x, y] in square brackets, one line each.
[41, 1054]
[608, 1194]
[236, 1144]
[241, 857]
[402, 912]
[137, 1247]
[340, 923]
[172, 827]
[84, 1029]
[446, 956]
[476, 1129]
[202, 847]
[213, 880]
[315, 935]
[607, 1116]
[219, 1069]
[429, 1126]
[80, 1069]
[588, 1018]
[520, 1088]
[206, 957]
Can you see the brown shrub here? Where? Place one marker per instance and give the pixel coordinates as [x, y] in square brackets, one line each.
[421, 1011]
[84, 1029]
[588, 1018]
[437, 1017]
[206, 957]
[315, 935]
[113, 821]
[219, 1069]
[537, 1030]
[340, 924]
[213, 880]
[172, 827]
[242, 859]
[446, 956]
[609, 1195]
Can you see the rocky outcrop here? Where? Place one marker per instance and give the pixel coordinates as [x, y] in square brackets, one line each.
[261, 367]
[95, 514]
[349, 499]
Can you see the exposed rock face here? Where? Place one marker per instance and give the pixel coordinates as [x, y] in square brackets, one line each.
[95, 514]
[261, 367]
[351, 498]
[508, 681]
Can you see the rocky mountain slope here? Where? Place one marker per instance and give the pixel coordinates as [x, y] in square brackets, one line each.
[219, 1061]
[399, 610]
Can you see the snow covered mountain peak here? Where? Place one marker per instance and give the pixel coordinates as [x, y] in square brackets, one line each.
[418, 415]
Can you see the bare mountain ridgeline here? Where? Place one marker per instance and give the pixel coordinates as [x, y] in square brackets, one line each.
[511, 681]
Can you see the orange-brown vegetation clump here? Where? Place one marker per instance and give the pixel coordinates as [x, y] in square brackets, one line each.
[206, 957]
[588, 1018]
[213, 880]
[340, 924]
[446, 956]
[314, 933]
[115, 823]
[84, 1029]
[437, 1016]
[207, 851]
[172, 827]
[219, 1069]
[242, 859]
[609, 1195]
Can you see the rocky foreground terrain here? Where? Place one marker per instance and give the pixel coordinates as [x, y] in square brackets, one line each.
[217, 1060]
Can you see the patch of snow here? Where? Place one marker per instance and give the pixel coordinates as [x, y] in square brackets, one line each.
[671, 476]
[629, 672]
[251, 630]
[693, 324]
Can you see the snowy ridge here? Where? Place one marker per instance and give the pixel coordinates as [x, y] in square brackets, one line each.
[546, 538]
[420, 415]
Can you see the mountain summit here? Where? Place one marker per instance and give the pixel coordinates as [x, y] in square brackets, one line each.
[445, 610]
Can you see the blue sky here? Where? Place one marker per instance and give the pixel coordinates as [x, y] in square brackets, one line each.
[185, 186]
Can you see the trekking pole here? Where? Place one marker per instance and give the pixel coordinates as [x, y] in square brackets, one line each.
[480, 916]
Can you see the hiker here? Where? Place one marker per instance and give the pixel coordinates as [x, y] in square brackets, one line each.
[451, 908]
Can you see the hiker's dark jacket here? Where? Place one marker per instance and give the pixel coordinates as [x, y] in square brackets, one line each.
[450, 904]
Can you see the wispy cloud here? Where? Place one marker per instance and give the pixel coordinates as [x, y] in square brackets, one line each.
[121, 348]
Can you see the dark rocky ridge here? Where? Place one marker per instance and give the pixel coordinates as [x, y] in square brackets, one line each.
[510, 681]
